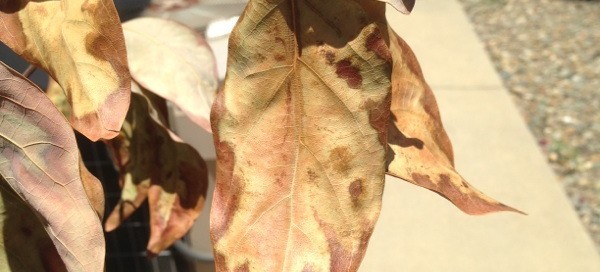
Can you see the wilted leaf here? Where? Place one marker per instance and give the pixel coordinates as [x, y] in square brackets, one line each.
[420, 150]
[93, 189]
[40, 161]
[24, 244]
[154, 163]
[300, 131]
[404, 6]
[155, 46]
[80, 44]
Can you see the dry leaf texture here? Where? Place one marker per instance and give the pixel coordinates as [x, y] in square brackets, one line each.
[80, 44]
[154, 163]
[300, 135]
[93, 189]
[157, 45]
[40, 161]
[420, 150]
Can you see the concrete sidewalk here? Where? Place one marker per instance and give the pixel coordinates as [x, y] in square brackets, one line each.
[420, 231]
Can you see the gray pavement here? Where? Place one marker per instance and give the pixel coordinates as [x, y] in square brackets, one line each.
[420, 231]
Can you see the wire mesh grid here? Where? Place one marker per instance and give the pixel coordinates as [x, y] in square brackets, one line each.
[126, 246]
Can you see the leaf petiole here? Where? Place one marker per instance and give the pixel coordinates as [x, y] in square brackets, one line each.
[29, 71]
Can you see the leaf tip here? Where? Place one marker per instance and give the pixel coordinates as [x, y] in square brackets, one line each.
[403, 6]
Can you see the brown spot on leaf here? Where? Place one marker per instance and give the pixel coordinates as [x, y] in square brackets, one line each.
[340, 158]
[379, 116]
[450, 191]
[279, 57]
[340, 258]
[423, 180]
[312, 176]
[226, 198]
[349, 73]
[356, 188]
[220, 262]
[330, 57]
[242, 268]
[377, 44]
[260, 57]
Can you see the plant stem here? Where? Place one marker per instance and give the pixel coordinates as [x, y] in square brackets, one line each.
[29, 71]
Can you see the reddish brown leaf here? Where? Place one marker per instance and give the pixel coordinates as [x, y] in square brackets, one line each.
[300, 131]
[420, 150]
[24, 243]
[157, 45]
[40, 162]
[93, 190]
[80, 44]
[155, 164]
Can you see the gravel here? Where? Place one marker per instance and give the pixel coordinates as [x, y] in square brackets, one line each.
[548, 55]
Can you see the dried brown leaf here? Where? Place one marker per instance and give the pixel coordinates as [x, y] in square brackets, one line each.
[154, 163]
[157, 45]
[40, 162]
[80, 44]
[300, 131]
[420, 150]
[93, 190]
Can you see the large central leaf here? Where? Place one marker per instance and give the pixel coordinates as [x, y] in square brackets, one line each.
[300, 131]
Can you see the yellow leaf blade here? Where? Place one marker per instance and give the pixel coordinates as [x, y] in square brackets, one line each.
[80, 44]
[300, 135]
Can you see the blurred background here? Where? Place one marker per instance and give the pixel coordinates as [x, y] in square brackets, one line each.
[546, 55]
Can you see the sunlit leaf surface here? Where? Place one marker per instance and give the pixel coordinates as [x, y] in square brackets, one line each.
[173, 61]
[80, 44]
[300, 131]
[420, 150]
